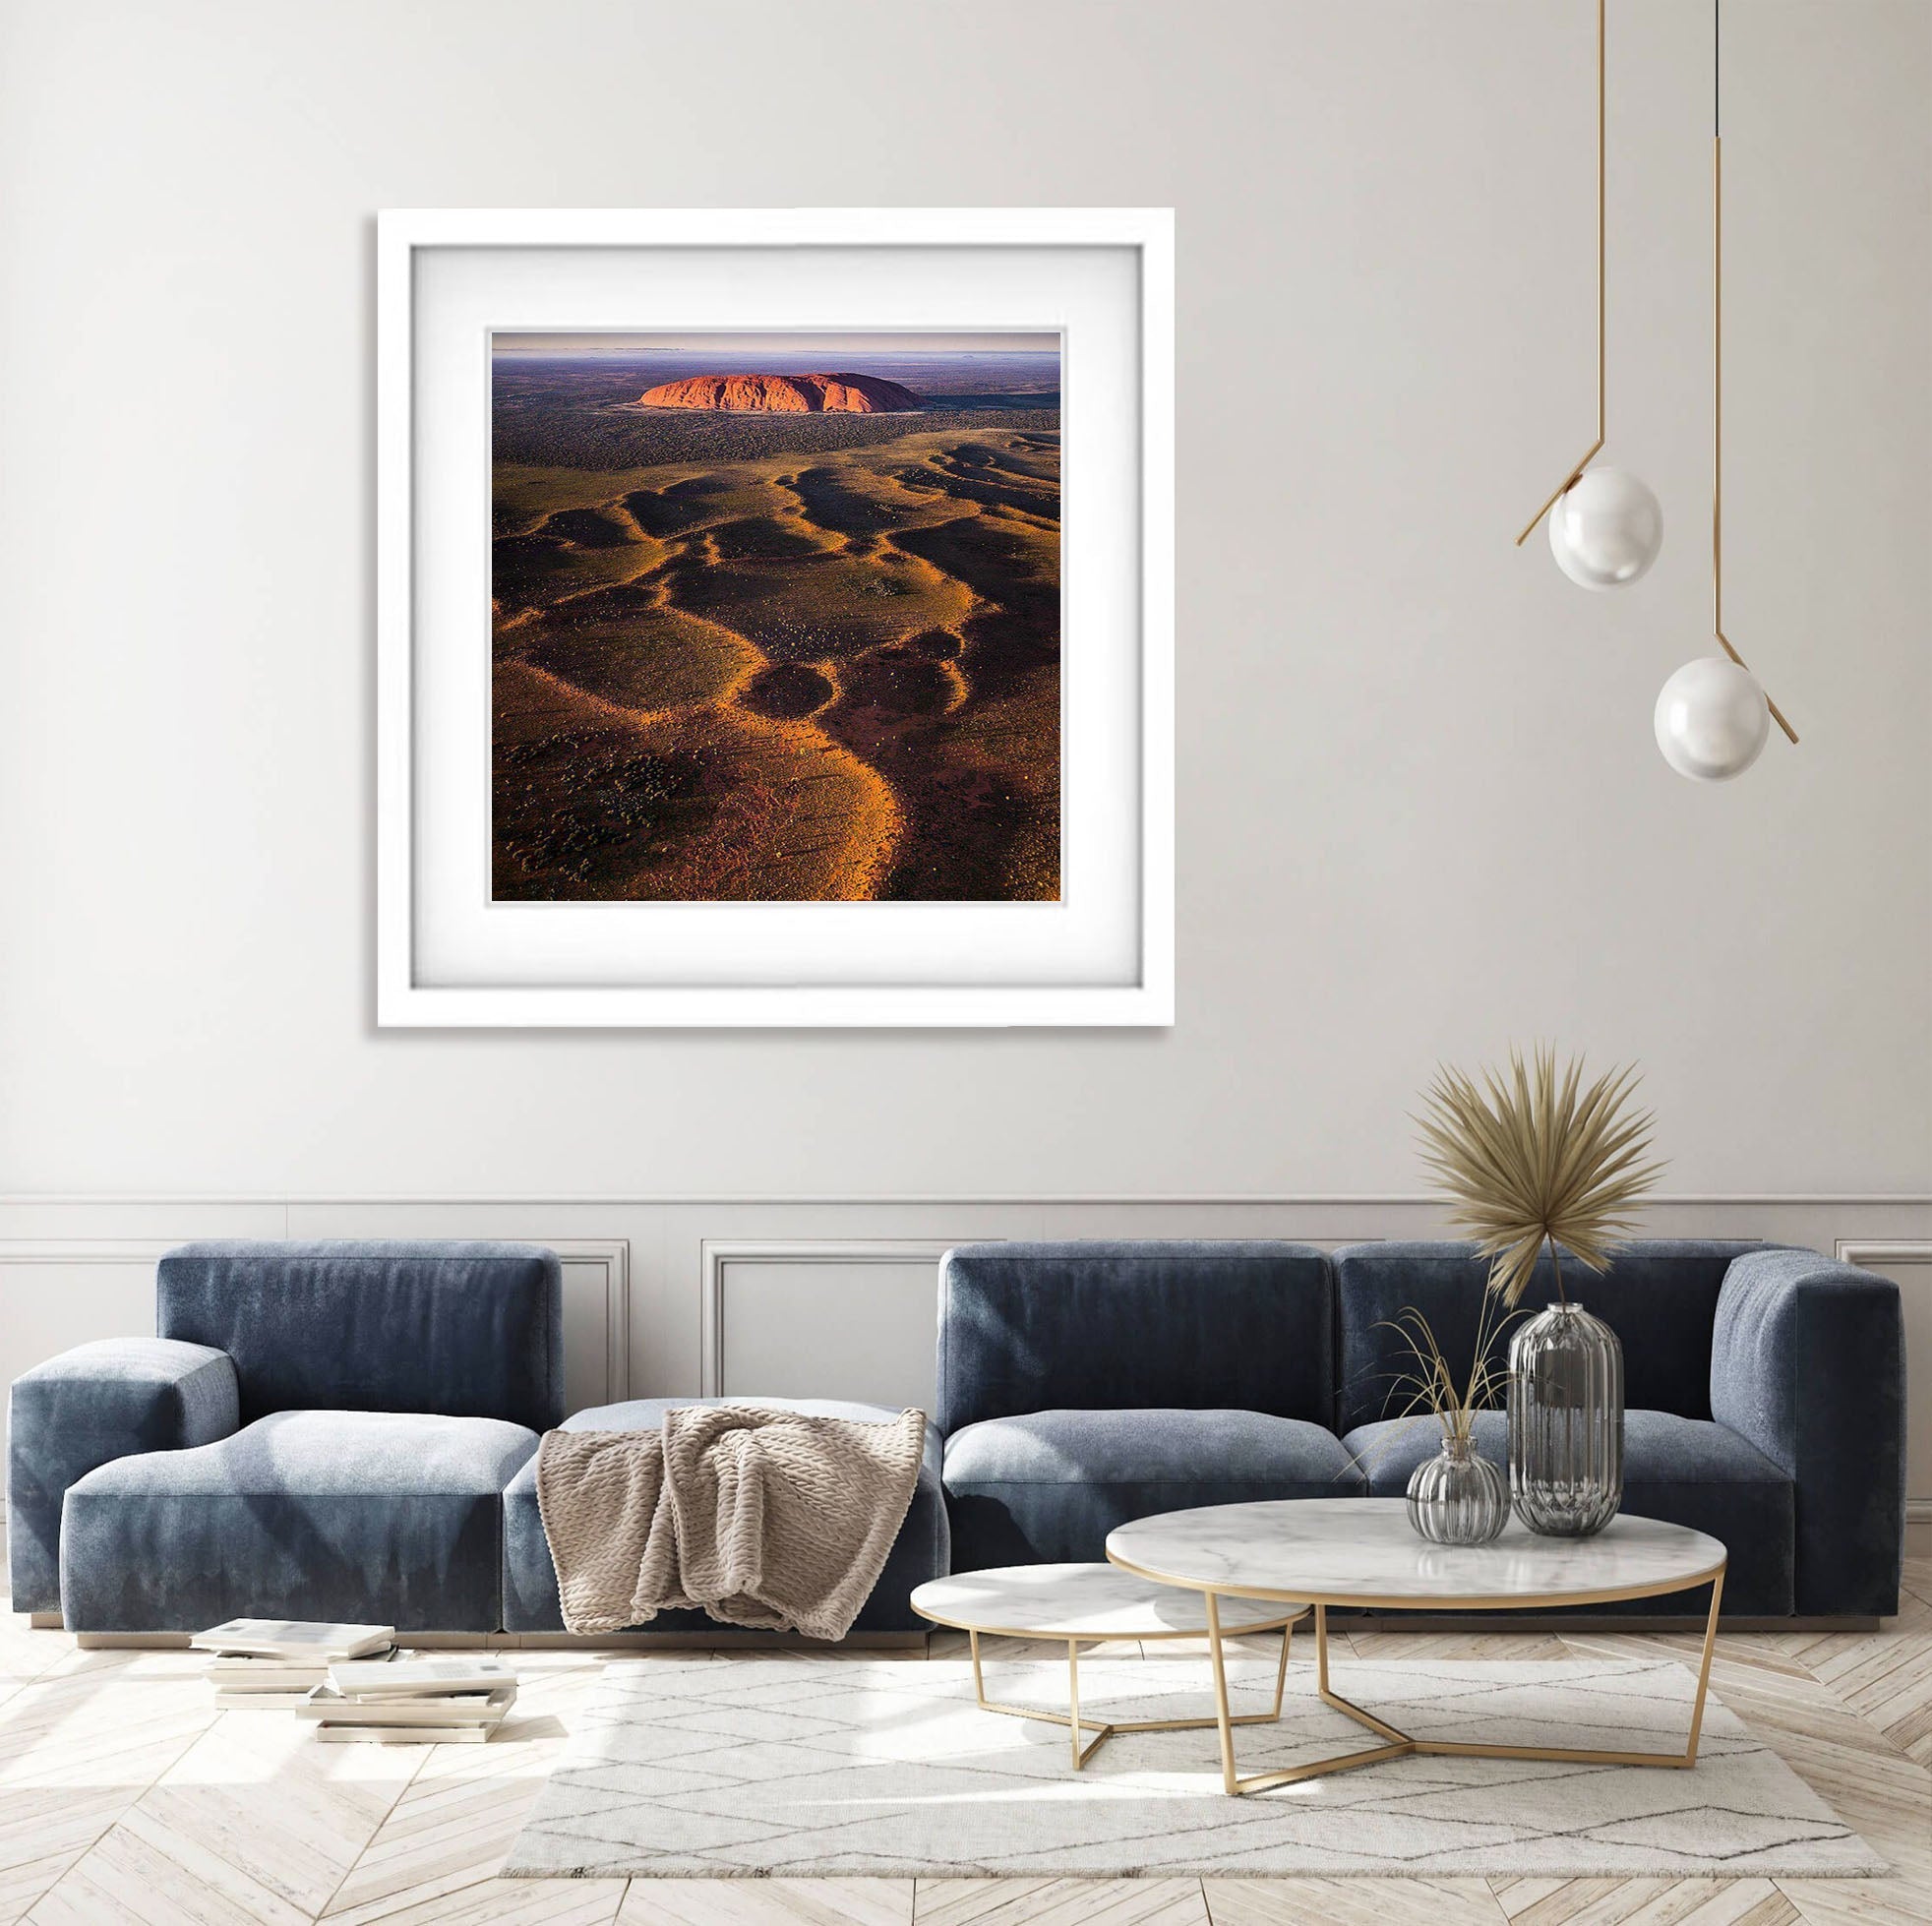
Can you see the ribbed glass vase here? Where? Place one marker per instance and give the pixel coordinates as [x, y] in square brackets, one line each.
[1566, 1423]
[1458, 1497]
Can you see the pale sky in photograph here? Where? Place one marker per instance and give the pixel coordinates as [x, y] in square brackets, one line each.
[802, 343]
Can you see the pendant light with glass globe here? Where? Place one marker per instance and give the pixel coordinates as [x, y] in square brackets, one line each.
[1604, 525]
[1712, 717]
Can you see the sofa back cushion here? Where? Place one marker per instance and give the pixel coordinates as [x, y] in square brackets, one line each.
[1660, 1296]
[1029, 1327]
[467, 1329]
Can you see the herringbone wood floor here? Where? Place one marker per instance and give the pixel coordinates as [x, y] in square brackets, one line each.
[124, 1795]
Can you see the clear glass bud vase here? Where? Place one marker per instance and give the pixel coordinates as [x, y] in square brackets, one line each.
[1458, 1497]
[1566, 1423]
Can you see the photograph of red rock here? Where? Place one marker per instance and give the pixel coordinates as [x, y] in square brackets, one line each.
[777, 618]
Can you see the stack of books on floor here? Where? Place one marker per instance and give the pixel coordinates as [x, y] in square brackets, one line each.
[273, 1664]
[416, 1697]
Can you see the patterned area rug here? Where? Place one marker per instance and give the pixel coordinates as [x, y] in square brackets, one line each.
[806, 1765]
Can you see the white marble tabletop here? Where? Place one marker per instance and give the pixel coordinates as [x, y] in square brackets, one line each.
[1083, 1601]
[1363, 1552]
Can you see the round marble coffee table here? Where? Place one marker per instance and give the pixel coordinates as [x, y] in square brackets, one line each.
[1086, 1604]
[1363, 1552]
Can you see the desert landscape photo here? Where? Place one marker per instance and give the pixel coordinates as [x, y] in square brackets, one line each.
[777, 618]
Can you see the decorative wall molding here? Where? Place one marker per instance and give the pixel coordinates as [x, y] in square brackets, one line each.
[1876, 1256]
[716, 1255]
[882, 1200]
[147, 1251]
[612, 1257]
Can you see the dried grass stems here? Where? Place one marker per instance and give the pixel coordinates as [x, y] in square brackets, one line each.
[1430, 1380]
[1532, 1158]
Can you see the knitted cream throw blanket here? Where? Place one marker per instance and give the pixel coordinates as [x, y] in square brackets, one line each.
[765, 1518]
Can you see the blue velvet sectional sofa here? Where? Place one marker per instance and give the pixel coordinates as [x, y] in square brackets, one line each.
[349, 1430]
[1081, 1385]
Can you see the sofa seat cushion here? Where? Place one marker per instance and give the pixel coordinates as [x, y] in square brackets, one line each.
[920, 1552]
[1048, 1486]
[1682, 1469]
[381, 1517]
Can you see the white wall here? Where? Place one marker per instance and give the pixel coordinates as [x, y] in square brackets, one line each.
[1421, 813]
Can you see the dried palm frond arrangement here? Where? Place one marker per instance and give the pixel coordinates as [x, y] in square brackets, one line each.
[1532, 1158]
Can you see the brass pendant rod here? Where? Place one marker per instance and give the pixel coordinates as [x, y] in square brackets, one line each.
[1718, 372]
[1570, 480]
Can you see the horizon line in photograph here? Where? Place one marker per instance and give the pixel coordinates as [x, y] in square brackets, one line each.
[938, 341]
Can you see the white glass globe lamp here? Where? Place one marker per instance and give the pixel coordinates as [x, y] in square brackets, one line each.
[1605, 529]
[1712, 719]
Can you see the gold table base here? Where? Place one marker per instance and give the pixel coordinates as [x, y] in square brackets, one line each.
[1103, 1729]
[1399, 1744]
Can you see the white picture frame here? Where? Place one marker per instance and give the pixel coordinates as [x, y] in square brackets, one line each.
[446, 955]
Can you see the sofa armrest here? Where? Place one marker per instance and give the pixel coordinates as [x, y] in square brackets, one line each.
[1808, 1363]
[92, 1404]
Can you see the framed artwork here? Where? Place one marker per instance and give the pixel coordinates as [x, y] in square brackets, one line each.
[775, 617]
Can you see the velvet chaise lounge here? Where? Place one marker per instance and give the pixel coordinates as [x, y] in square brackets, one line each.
[1081, 1385]
[316, 1430]
[343, 1431]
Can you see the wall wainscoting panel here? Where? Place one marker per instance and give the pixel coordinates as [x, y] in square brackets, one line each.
[1909, 1267]
[596, 1319]
[820, 1318]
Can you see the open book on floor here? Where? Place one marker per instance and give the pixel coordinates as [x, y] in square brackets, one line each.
[293, 1639]
[418, 1674]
